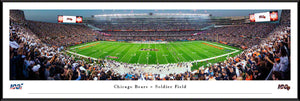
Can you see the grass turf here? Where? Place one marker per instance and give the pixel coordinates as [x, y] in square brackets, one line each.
[172, 52]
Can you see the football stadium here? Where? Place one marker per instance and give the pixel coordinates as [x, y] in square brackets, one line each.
[151, 45]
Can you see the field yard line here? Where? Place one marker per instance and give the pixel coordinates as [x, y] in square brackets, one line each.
[219, 55]
[110, 48]
[88, 48]
[194, 45]
[94, 52]
[147, 59]
[97, 50]
[190, 51]
[148, 54]
[202, 49]
[140, 56]
[84, 45]
[81, 50]
[117, 49]
[178, 53]
[132, 56]
[101, 53]
[126, 53]
[105, 48]
[187, 53]
[121, 52]
[172, 53]
[156, 53]
[134, 53]
[219, 45]
[164, 54]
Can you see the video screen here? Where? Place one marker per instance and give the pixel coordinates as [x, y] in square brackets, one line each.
[264, 16]
[69, 19]
[165, 50]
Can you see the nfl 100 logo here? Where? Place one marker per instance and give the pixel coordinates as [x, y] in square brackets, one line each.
[16, 86]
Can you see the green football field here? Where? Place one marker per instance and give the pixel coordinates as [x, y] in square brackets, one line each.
[172, 52]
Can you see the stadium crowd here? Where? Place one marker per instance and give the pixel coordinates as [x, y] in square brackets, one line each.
[234, 35]
[32, 59]
[241, 35]
[17, 15]
[61, 34]
[68, 34]
[149, 26]
[150, 36]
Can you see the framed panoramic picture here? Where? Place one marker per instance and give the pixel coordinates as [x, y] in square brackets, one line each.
[95, 50]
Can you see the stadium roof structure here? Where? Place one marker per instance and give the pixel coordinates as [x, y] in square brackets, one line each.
[148, 17]
[152, 15]
[167, 18]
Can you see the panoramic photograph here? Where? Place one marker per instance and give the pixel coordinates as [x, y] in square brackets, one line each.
[149, 45]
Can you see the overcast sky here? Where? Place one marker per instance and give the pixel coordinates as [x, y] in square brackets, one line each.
[51, 15]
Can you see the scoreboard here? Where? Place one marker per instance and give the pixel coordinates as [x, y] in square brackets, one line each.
[69, 19]
[264, 16]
